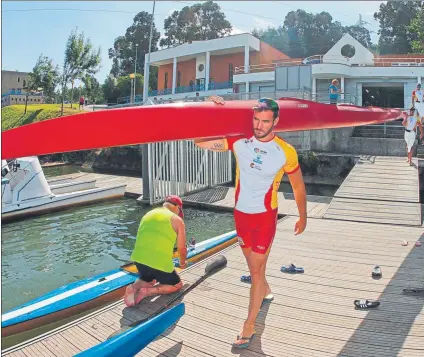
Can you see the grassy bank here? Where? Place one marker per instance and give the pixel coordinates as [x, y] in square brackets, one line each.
[13, 115]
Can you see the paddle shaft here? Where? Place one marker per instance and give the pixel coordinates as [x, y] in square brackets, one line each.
[164, 307]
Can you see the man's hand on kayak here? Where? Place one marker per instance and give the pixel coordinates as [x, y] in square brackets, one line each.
[216, 99]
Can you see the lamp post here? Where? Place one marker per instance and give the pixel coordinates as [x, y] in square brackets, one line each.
[147, 64]
[132, 98]
[135, 69]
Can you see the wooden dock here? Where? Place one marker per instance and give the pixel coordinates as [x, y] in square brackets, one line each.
[134, 184]
[380, 190]
[312, 314]
[223, 198]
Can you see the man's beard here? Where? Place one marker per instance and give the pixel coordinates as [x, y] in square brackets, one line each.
[261, 134]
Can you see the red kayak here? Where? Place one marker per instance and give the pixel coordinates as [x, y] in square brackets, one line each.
[177, 121]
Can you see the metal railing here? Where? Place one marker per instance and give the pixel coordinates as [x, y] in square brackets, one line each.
[319, 59]
[322, 97]
[180, 167]
[180, 89]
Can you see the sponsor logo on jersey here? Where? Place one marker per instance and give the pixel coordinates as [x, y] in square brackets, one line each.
[253, 166]
[257, 159]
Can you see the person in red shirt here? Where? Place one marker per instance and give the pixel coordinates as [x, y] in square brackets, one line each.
[81, 102]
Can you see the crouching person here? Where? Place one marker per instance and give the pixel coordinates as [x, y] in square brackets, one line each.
[157, 234]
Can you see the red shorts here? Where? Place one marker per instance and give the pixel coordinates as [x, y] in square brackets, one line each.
[256, 230]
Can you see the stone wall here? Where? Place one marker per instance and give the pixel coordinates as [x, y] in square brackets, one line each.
[128, 158]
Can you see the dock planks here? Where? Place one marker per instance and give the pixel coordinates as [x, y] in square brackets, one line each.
[379, 190]
[312, 313]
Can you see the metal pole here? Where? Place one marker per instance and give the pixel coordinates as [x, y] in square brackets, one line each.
[146, 78]
[135, 69]
[146, 150]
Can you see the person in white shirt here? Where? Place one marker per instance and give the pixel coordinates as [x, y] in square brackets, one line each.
[262, 160]
[410, 122]
[418, 100]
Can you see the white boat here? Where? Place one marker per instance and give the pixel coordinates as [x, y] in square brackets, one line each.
[71, 185]
[25, 191]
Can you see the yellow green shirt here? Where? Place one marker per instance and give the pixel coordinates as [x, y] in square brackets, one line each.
[154, 245]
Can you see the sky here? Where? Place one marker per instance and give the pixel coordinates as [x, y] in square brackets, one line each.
[30, 28]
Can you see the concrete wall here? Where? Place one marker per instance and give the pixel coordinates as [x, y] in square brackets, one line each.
[376, 146]
[12, 80]
[262, 86]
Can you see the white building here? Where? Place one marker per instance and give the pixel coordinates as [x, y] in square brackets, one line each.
[365, 78]
[244, 64]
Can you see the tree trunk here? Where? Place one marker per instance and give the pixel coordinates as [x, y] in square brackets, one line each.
[63, 100]
[26, 103]
[72, 94]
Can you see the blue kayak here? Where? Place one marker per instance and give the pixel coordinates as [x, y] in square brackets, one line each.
[84, 295]
[132, 341]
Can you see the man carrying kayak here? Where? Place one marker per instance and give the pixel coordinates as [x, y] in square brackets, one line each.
[157, 234]
[411, 122]
[262, 160]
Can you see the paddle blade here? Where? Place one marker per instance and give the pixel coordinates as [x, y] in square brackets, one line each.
[218, 263]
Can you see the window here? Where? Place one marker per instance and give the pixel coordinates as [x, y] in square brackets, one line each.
[178, 79]
[24, 83]
[19, 79]
[166, 81]
[230, 72]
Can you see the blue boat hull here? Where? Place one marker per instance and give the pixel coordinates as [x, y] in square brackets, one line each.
[132, 341]
[86, 294]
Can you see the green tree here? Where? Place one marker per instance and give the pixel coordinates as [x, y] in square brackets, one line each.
[199, 22]
[124, 85]
[81, 60]
[30, 87]
[305, 34]
[277, 37]
[311, 34]
[395, 18]
[124, 48]
[417, 27]
[110, 90]
[45, 75]
[361, 34]
[92, 89]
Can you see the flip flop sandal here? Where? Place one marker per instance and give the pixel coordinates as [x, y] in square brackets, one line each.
[246, 279]
[376, 272]
[366, 304]
[245, 344]
[414, 290]
[267, 299]
[292, 269]
[418, 244]
[404, 243]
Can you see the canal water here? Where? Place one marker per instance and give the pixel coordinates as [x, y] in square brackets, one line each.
[42, 253]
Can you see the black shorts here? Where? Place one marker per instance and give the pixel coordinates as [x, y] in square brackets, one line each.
[149, 274]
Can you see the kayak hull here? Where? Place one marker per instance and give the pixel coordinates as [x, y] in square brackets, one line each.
[87, 294]
[132, 341]
[178, 121]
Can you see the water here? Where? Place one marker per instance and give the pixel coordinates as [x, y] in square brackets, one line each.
[42, 253]
[311, 189]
